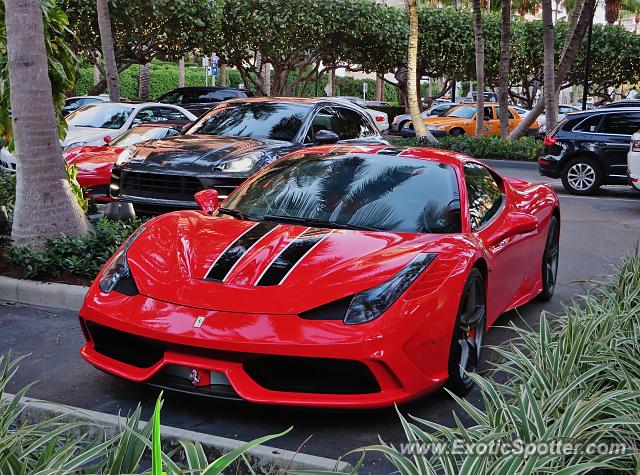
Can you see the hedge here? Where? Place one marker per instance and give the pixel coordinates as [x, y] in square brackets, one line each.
[485, 146]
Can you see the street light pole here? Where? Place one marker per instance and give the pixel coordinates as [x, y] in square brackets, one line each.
[587, 66]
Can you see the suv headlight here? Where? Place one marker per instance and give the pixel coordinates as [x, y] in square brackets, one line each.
[372, 303]
[118, 268]
[238, 165]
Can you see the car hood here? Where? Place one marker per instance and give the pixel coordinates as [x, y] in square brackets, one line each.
[89, 135]
[92, 157]
[296, 268]
[200, 154]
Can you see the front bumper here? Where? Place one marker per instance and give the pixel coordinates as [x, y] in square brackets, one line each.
[269, 359]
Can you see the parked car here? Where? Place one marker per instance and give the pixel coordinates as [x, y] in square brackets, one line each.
[200, 100]
[461, 120]
[381, 119]
[230, 143]
[563, 110]
[72, 104]
[472, 97]
[589, 149]
[95, 123]
[633, 161]
[94, 162]
[622, 103]
[437, 110]
[308, 288]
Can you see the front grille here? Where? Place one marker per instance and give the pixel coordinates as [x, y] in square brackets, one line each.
[311, 375]
[160, 186]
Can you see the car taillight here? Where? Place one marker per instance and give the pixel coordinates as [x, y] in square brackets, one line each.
[550, 141]
[379, 118]
[635, 145]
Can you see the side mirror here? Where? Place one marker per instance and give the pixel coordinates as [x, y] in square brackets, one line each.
[208, 200]
[325, 137]
[107, 139]
[515, 224]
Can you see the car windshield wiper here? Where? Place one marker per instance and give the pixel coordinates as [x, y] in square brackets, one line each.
[317, 222]
[238, 214]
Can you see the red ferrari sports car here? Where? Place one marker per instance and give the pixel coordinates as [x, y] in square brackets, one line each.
[334, 277]
[95, 162]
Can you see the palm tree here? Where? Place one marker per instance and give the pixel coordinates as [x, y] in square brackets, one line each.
[45, 206]
[144, 77]
[181, 72]
[478, 32]
[412, 75]
[611, 11]
[106, 39]
[550, 94]
[503, 78]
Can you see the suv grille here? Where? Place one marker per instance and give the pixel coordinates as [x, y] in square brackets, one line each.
[159, 186]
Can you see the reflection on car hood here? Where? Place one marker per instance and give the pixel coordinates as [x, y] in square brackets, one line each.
[89, 135]
[190, 258]
[199, 154]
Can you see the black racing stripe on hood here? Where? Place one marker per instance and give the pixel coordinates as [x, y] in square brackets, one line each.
[291, 255]
[232, 255]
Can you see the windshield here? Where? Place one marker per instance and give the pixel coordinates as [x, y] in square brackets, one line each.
[142, 134]
[463, 112]
[264, 120]
[360, 191]
[100, 116]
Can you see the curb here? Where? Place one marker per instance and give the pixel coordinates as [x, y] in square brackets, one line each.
[264, 457]
[46, 294]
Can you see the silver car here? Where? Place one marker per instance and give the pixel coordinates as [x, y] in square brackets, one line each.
[438, 110]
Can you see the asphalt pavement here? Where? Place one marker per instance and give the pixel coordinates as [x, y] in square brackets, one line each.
[596, 233]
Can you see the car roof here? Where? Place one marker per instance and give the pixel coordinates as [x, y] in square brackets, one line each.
[207, 88]
[291, 100]
[134, 105]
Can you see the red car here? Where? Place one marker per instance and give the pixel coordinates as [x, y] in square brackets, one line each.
[334, 277]
[95, 162]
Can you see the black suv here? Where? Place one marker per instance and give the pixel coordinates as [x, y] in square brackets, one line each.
[199, 100]
[589, 149]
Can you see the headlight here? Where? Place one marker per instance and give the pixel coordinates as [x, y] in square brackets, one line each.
[75, 144]
[372, 303]
[124, 157]
[118, 268]
[243, 164]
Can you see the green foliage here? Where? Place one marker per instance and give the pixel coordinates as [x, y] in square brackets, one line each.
[63, 65]
[576, 380]
[82, 256]
[7, 190]
[485, 146]
[144, 30]
[72, 176]
[55, 447]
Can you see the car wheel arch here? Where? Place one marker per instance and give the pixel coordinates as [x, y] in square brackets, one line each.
[578, 154]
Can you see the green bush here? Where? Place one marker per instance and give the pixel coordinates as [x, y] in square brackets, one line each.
[574, 381]
[7, 190]
[485, 146]
[82, 256]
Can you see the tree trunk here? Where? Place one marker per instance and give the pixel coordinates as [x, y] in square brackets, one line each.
[106, 38]
[102, 84]
[331, 84]
[479, 37]
[223, 75]
[550, 94]
[45, 206]
[503, 79]
[401, 85]
[611, 11]
[96, 74]
[144, 78]
[577, 29]
[379, 87]
[422, 133]
[181, 72]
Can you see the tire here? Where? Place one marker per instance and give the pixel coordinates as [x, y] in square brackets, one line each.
[401, 125]
[582, 176]
[466, 344]
[550, 261]
[456, 132]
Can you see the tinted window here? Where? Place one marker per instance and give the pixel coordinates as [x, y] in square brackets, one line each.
[267, 120]
[590, 124]
[347, 123]
[623, 123]
[100, 116]
[148, 115]
[485, 197]
[388, 193]
[173, 115]
[223, 95]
